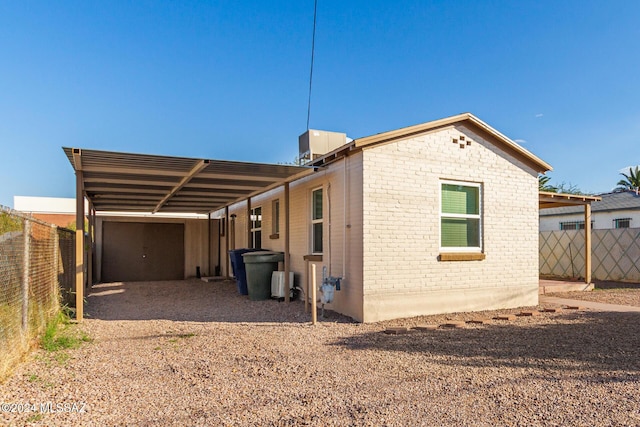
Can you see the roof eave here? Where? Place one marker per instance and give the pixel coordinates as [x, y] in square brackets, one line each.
[535, 162]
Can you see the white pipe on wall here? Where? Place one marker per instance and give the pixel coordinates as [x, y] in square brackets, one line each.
[345, 188]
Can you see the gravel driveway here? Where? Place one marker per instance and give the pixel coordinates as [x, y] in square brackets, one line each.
[191, 353]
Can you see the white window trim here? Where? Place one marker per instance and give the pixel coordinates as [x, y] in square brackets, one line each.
[478, 249]
[316, 221]
[254, 229]
[618, 221]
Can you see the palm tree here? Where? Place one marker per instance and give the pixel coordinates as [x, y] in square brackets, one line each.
[543, 184]
[631, 181]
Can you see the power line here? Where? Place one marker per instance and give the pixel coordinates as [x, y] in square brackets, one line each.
[313, 48]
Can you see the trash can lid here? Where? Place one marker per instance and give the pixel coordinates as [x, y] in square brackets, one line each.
[263, 256]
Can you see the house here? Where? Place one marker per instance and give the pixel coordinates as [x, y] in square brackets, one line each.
[419, 220]
[614, 211]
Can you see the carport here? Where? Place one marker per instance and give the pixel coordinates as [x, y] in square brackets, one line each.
[127, 182]
[548, 200]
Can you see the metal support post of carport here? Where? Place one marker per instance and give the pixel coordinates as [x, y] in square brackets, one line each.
[287, 260]
[79, 236]
[587, 243]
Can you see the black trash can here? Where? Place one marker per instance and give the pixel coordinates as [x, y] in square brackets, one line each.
[238, 268]
[259, 268]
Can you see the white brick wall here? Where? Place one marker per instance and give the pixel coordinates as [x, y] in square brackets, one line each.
[401, 193]
[345, 225]
[391, 228]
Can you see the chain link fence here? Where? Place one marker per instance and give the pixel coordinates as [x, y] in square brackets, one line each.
[37, 263]
[615, 254]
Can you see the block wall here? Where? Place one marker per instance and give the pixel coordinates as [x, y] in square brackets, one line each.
[402, 273]
[342, 229]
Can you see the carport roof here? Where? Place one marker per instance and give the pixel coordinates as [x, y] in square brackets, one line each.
[547, 200]
[115, 181]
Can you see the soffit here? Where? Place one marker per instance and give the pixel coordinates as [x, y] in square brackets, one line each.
[121, 182]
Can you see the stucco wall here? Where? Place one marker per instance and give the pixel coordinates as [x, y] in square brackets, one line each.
[601, 220]
[402, 274]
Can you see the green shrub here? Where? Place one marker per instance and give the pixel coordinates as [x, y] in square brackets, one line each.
[61, 335]
[9, 223]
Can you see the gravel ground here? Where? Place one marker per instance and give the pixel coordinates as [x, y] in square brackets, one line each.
[608, 292]
[211, 357]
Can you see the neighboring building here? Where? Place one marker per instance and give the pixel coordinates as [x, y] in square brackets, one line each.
[179, 239]
[54, 210]
[420, 220]
[616, 210]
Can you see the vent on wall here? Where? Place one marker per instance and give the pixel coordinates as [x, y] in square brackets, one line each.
[316, 143]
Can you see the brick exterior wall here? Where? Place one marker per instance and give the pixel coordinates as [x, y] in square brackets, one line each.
[386, 241]
[61, 220]
[342, 253]
[401, 233]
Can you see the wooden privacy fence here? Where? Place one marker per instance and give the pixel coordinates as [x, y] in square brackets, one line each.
[36, 266]
[615, 254]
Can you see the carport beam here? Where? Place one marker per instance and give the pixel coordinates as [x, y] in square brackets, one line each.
[200, 165]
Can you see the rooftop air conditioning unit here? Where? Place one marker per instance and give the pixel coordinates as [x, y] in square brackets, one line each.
[316, 143]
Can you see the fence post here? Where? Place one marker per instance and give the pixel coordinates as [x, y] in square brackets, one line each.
[55, 286]
[587, 243]
[26, 265]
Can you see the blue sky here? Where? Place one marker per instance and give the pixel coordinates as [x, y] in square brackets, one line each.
[229, 79]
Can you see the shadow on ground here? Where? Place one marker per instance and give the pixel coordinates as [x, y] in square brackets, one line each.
[606, 284]
[594, 342]
[191, 300]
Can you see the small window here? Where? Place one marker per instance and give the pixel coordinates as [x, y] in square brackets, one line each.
[256, 228]
[573, 225]
[622, 223]
[460, 217]
[275, 217]
[316, 221]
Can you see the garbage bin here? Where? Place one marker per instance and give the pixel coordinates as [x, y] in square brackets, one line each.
[259, 268]
[238, 268]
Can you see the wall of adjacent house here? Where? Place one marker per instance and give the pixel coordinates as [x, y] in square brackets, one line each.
[61, 220]
[341, 182]
[402, 273]
[601, 220]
